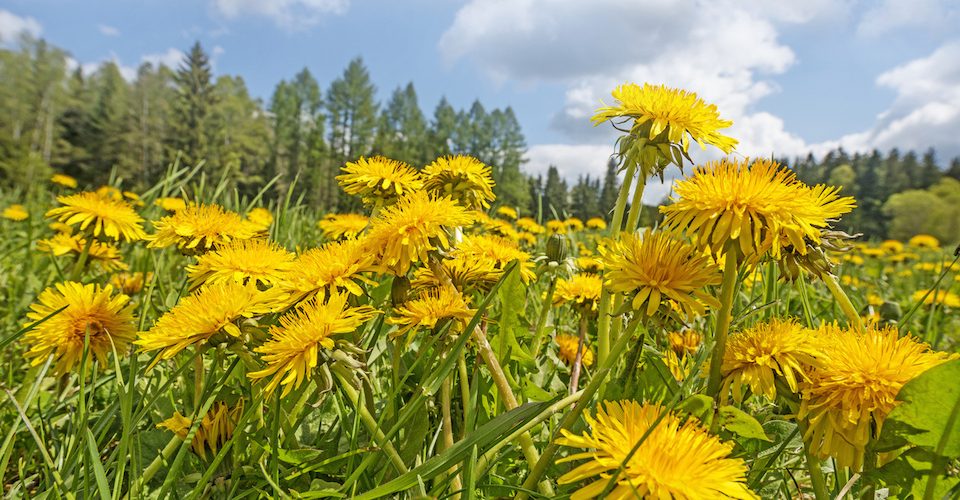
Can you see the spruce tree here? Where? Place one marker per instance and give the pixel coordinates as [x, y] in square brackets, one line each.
[195, 101]
[555, 196]
[610, 189]
[929, 172]
[442, 129]
[352, 115]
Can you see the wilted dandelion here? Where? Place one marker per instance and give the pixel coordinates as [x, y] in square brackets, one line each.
[215, 429]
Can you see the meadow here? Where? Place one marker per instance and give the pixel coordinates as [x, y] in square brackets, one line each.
[188, 341]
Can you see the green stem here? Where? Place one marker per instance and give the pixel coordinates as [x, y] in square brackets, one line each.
[730, 267]
[160, 460]
[603, 327]
[464, 391]
[82, 259]
[445, 403]
[603, 369]
[636, 205]
[817, 481]
[542, 319]
[843, 301]
[371, 423]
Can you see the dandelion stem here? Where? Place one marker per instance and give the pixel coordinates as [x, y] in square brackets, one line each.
[445, 402]
[636, 205]
[542, 319]
[82, 259]
[578, 359]
[731, 264]
[605, 320]
[841, 297]
[371, 423]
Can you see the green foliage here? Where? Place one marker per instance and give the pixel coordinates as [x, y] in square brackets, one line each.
[935, 211]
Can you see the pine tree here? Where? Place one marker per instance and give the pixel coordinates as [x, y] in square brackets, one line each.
[402, 128]
[954, 170]
[610, 190]
[442, 129]
[352, 113]
[929, 172]
[149, 118]
[195, 101]
[585, 198]
[240, 139]
[108, 124]
[555, 196]
[508, 148]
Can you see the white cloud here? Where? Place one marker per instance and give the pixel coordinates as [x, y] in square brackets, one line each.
[293, 14]
[171, 58]
[13, 26]
[890, 15]
[107, 30]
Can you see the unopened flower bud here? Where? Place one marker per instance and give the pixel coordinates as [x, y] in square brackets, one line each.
[557, 248]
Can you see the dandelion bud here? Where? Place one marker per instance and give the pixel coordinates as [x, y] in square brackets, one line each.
[890, 311]
[399, 290]
[557, 248]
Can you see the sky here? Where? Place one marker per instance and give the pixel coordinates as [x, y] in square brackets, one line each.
[794, 76]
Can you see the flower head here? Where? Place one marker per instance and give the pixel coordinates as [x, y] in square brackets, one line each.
[685, 342]
[467, 274]
[198, 228]
[855, 387]
[170, 204]
[430, 309]
[924, 241]
[942, 297]
[567, 347]
[756, 205]
[89, 311]
[529, 225]
[215, 429]
[260, 261]
[678, 114]
[778, 348]
[581, 290]
[130, 283]
[115, 219]
[660, 271]
[463, 178]
[64, 180]
[343, 226]
[335, 266]
[106, 256]
[379, 180]
[507, 212]
[596, 223]
[500, 250]
[16, 213]
[417, 224]
[260, 218]
[292, 351]
[676, 460]
[211, 310]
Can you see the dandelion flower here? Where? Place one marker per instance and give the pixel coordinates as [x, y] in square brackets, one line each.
[64, 180]
[16, 213]
[293, 349]
[211, 310]
[90, 312]
[215, 429]
[529, 225]
[855, 387]
[581, 290]
[260, 218]
[676, 460]
[892, 246]
[198, 228]
[755, 204]
[508, 212]
[115, 219]
[755, 356]
[680, 114]
[379, 180]
[591, 265]
[573, 224]
[406, 232]
[555, 226]
[465, 273]
[170, 204]
[596, 223]
[567, 350]
[659, 270]
[343, 226]
[260, 261]
[501, 251]
[924, 241]
[106, 256]
[685, 342]
[463, 178]
[431, 309]
[942, 297]
[335, 266]
[130, 283]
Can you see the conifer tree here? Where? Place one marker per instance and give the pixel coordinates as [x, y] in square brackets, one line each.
[195, 100]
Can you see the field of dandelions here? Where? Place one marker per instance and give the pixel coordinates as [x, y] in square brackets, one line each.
[186, 342]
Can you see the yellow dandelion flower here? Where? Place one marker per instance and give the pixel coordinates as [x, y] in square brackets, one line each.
[90, 312]
[406, 232]
[874, 300]
[170, 204]
[61, 227]
[942, 297]
[432, 309]
[592, 265]
[16, 213]
[924, 241]
[681, 115]
[685, 343]
[215, 429]
[754, 203]
[261, 218]
[755, 356]
[467, 274]
[555, 226]
[343, 226]
[508, 212]
[379, 180]
[335, 266]
[872, 252]
[528, 239]
[209, 311]
[134, 198]
[498, 226]
[106, 256]
[853, 259]
[130, 283]
[567, 350]
[581, 291]
[892, 246]
[116, 219]
[497, 249]
[659, 270]
[64, 180]
[198, 228]
[855, 387]
[678, 459]
[462, 178]
[529, 225]
[573, 224]
[596, 223]
[110, 193]
[295, 345]
[261, 261]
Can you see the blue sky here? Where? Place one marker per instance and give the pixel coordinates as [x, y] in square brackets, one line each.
[794, 76]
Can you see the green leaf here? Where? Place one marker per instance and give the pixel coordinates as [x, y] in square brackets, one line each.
[741, 423]
[512, 296]
[930, 412]
[698, 405]
[533, 392]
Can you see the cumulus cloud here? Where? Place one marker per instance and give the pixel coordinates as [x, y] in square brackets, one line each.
[291, 14]
[171, 58]
[107, 30]
[13, 26]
